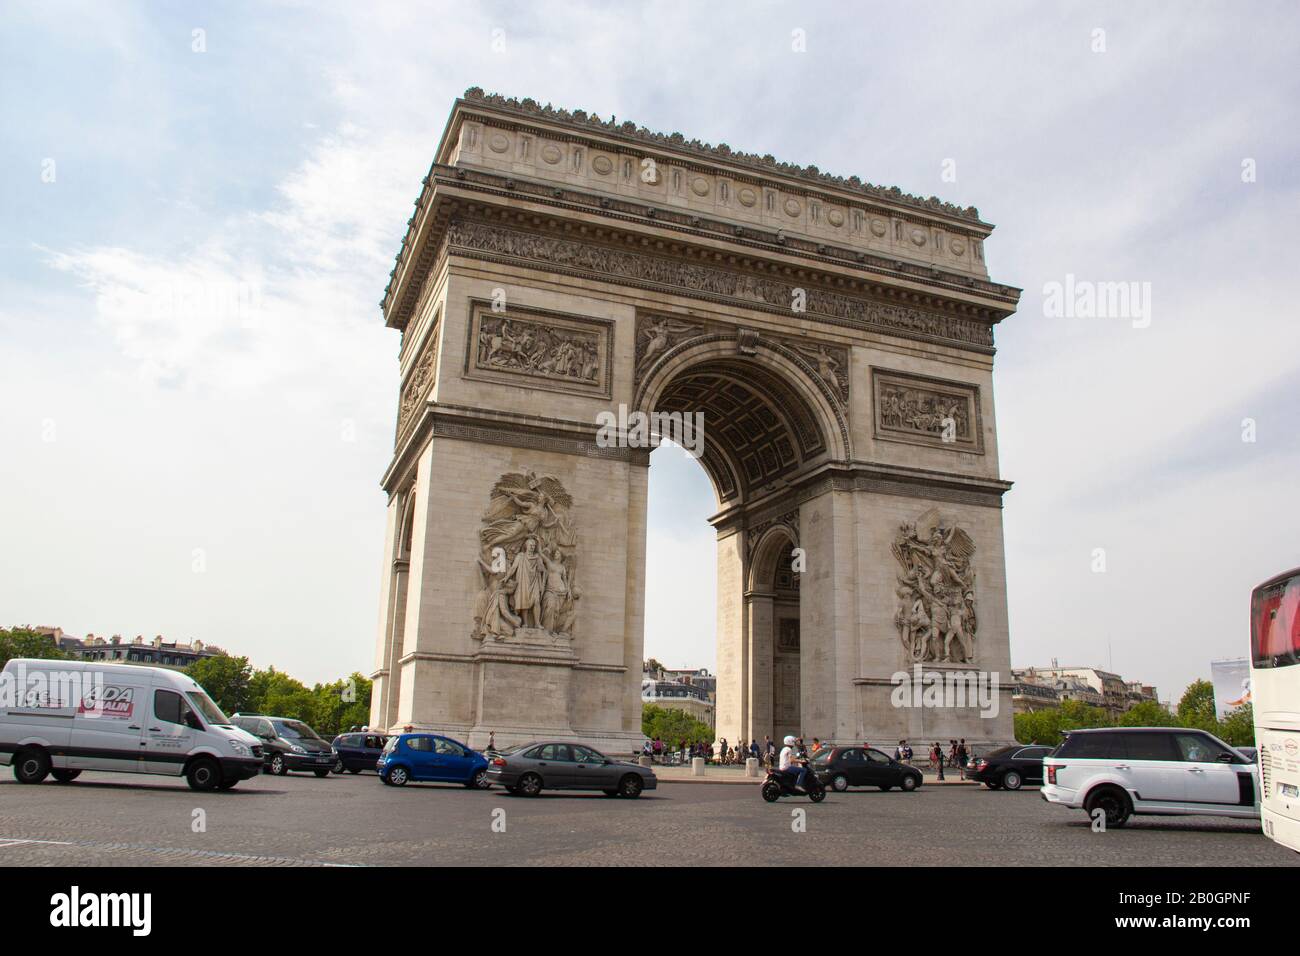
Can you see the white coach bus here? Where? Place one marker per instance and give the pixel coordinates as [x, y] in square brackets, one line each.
[1275, 697]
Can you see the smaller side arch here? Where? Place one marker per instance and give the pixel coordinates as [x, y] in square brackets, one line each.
[770, 543]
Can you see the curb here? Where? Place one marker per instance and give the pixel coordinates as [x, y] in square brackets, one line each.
[755, 781]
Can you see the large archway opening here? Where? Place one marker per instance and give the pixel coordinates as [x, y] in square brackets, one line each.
[765, 426]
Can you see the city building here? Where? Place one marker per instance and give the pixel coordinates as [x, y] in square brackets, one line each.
[157, 653]
[692, 698]
[1039, 687]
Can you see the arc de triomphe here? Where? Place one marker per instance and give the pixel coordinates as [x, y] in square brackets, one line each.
[837, 338]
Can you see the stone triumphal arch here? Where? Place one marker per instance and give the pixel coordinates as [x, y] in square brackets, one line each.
[836, 336]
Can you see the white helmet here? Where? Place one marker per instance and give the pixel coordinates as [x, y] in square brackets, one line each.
[789, 740]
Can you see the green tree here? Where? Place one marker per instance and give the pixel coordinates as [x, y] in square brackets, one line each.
[673, 726]
[344, 703]
[1148, 714]
[1197, 708]
[23, 642]
[226, 679]
[1238, 727]
[1039, 727]
[1076, 715]
[277, 694]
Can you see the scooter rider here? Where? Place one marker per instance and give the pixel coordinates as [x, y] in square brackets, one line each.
[788, 766]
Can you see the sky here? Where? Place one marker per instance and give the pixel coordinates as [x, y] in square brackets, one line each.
[200, 205]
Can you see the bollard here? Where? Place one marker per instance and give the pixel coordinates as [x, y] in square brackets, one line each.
[697, 766]
[643, 760]
[751, 766]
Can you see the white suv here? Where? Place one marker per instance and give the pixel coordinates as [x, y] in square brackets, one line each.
[1166, 770]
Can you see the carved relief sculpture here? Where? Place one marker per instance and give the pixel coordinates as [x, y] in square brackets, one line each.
[612, 264]
[536, 349]
[832, 365]
[656, 334]
[564, 353]
[418, 385]
[928, 412]
[936, 618]
[527, 559]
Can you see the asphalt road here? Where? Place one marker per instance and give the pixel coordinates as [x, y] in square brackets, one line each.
[122, 819]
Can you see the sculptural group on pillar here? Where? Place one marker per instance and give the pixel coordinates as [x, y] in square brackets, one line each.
[936, 618]
[527, 559]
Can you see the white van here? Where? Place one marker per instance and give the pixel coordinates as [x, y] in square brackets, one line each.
[62, 717]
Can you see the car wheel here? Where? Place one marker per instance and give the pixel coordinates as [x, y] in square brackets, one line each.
[839, 783]
[65, 776]
[886, 787]
[530, 785]
[278, 766]
[1111, 801]
[910, 783]
[338, 766]
[321, 773]
[204, 774]
[31, 766]
[630, 786]
[398, 777]
[1011, 780]
[480, 780]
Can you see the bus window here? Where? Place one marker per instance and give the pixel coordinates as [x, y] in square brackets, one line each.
[1275, 624]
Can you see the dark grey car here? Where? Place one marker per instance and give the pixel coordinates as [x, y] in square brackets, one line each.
[554, 765]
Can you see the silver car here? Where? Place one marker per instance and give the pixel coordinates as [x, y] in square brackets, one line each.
[555, 765]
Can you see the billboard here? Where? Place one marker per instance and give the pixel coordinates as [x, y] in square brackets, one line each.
[1231, 684]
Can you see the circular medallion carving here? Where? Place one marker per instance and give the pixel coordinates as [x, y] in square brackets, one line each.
[918, 237]
[878, 228]
[792, 207]
[835, 217]
[551, 153]
[746, 196]
[498, 143]
[958, 247]
[603, 165]
[700, 186]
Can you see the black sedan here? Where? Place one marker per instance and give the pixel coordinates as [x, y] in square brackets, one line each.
[529, 769]
[357, 751]
[1010, 767]
[842, 767]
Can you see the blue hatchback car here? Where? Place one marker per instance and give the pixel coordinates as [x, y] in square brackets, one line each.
[431, 757]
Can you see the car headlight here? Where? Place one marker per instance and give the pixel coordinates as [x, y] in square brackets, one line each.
[240, 748]
[296, 749]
